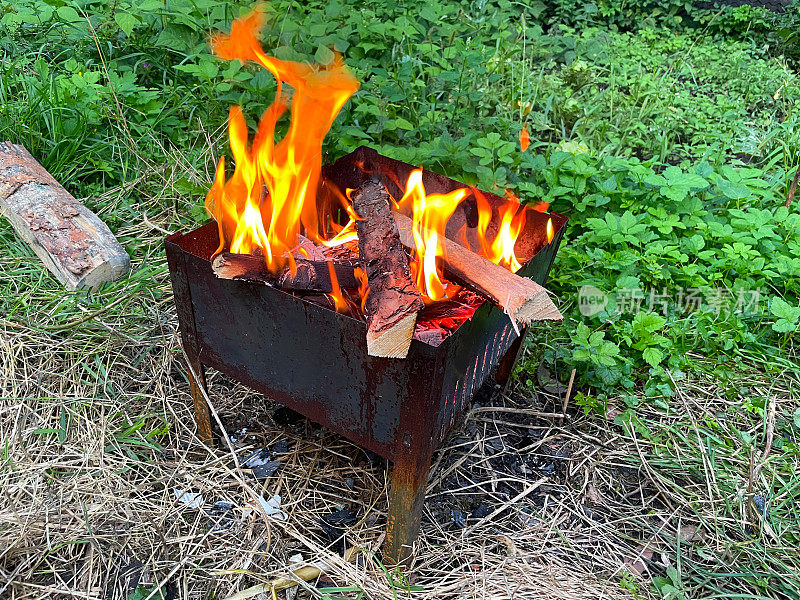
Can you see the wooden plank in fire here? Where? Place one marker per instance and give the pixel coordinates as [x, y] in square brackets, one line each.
[309, 276]
[521, 298]
[393, 300]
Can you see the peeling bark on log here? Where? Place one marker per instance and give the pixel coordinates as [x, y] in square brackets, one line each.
[310, 276]
[393, 300]
[71, 241]
[521, 298]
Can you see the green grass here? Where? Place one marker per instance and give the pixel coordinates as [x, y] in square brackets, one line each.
[670, 147]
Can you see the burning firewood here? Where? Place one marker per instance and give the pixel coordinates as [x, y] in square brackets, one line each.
[71, 241]
[522, 299]
[393, 301]
[309, 276]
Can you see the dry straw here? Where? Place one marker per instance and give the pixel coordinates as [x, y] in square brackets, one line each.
[97, 435]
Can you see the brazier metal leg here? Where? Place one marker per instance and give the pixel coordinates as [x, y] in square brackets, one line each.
[197, 385]
[409, 480]
[505, 367]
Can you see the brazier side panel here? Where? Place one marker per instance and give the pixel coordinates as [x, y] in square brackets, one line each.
[302, 355]
[475, 349]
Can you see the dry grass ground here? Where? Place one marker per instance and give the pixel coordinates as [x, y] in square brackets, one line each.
[96, 435]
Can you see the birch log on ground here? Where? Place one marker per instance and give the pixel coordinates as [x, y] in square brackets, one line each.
[393, 301]
[71, 241]
[521, 298]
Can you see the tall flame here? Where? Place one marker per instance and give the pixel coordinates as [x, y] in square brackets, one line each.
[511, 223]
[430, 213]
[339, 302]
[271, 197]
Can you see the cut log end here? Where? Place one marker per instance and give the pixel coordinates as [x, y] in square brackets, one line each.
[244, 267]
[540, 307]
[115, 266]
[393, 342]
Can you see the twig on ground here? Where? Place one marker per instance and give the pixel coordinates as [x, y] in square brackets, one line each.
[566, 396]
[519, 411]
[527, 491]
[755, 467]
[793, 187]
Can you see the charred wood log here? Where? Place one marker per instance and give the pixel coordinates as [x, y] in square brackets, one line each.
[71, 241]
[309, 275]
[393, 301]
[521, 298]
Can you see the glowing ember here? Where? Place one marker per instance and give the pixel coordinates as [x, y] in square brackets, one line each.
[271, 197]
[524, 138]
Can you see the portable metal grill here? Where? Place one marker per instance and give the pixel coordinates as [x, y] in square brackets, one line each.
[314, 360]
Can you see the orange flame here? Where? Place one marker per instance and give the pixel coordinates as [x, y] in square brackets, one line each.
[511, 223]
[524, 138]
[430, 214]
[271, 197]
[348, 232]
[363, 285]
[502, 248]
[339, 302]
[550, 233]
[541, 206]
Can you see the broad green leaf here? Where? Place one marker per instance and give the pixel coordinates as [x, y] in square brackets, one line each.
[607, 353]
[652, 356]
[69, 14]
[402, 123]
[734, 191]
[677, 177]
[149, 5]
[324, 55]
[126, 22]
[676, 194]
[648, 322]
[175, 37]
[782, 309]
[627, 221]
